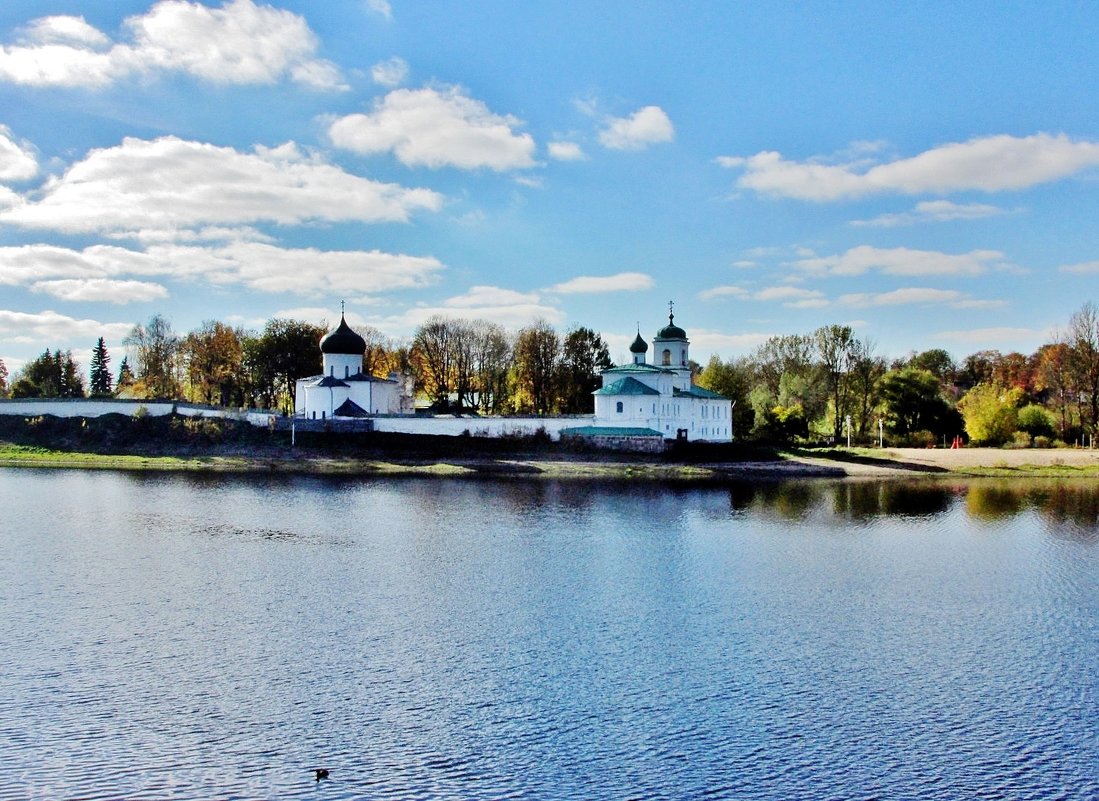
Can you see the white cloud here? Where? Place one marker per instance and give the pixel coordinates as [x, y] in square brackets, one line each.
[565, 151]
[723, 292]
[989, 164]
[17, 160]
[100, 290]
[904, 297]
[590, 285]
[390, 73]
[1083, 268]
[49, 326]
[381, 7]
[66, 30]
[792, 297]
[96, 272]
[507, 307]
[902, 262]
[436, 128]
[710, 342]
[267, 268]
[170, 184]
[238, 43]
[934, 211]
[644, 127]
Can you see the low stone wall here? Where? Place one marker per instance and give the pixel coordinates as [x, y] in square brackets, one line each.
[97, 407]
[448, 425]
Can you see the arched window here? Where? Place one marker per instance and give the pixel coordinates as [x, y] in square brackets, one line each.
[618, 407]
[667, 358]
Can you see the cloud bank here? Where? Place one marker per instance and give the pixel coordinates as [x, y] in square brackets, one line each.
[239, 43]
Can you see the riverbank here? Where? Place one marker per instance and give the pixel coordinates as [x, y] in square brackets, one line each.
[856, 463]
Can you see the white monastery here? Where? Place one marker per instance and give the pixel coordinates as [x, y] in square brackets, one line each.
[638, 401]
[661, 398]
[344, 390]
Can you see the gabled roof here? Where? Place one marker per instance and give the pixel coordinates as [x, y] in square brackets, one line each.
[626, 386]
[329, 381]
[370, 378]
[350, 409]
[698, 392]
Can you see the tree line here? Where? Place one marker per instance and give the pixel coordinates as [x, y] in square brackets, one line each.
[457, 364]
[824, 385]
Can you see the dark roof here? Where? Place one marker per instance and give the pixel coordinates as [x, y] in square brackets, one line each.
[639, 345]
[626, 386]
[350, 409]
[699, 392]
[366, 377]
[671, 330]
[329, 381]
[343, 340]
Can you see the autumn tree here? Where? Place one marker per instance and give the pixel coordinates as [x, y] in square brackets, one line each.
[537, 356]
[214, 359]
[155, 348]
[584, 355]
[864, 373]
[126, 377]
[1053, 379]
[433, 358]
[3, 379]
[835, 349]
[1083, 341]
[734, 381]
[100, 370]
[991, 413]
[492, 357]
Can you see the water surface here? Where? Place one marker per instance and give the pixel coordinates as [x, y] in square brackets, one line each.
[179, 636]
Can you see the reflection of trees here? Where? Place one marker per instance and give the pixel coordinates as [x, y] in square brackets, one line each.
[789, 500]
[994, 501]
[863, 500]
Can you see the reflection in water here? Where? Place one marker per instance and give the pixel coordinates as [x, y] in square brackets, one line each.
[1060, 502]
[170, 636]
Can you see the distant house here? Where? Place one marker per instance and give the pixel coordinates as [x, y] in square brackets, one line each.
[344, 390]
[662, 397]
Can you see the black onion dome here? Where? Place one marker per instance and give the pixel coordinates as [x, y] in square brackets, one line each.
[639, 345]
[343, 341]
[671, 330]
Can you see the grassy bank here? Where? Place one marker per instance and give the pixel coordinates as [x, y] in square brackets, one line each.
[118, 442]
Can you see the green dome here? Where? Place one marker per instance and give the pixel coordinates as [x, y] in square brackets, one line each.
[639, 345]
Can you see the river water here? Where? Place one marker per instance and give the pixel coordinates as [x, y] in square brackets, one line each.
[181, 636]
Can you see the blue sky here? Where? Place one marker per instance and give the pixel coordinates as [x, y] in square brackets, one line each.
[926, 173]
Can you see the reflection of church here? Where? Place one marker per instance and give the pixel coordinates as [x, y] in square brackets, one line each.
[344, 390]
[661, 397]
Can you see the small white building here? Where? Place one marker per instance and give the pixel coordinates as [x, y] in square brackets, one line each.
[344, 390]
[662, 397]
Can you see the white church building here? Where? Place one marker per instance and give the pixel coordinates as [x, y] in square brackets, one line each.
[638, 401]
[661, 397]
[344, 390]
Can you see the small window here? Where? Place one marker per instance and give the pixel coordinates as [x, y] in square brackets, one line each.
[667, 358]
[618, 407]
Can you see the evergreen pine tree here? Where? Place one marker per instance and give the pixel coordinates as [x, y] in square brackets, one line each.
[100, 372]
[72, 382]
[125, 373]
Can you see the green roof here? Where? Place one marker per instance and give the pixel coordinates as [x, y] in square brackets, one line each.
[700, 392]
[626, 386]
[609, 431]
[636, 368]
